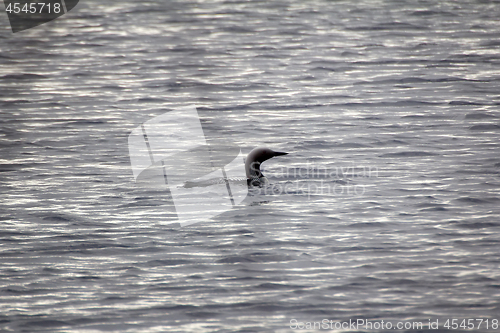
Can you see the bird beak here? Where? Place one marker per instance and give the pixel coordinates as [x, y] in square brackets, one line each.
[277, 153]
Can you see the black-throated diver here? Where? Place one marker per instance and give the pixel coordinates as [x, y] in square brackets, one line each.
[252, 164]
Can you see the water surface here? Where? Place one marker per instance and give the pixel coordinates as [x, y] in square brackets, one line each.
[395, 99]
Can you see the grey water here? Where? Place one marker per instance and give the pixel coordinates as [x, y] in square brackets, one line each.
[389, 111]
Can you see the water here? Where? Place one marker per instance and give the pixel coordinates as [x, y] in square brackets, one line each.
[397, 100]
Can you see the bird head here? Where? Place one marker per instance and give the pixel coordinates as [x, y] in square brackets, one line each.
[256, 157]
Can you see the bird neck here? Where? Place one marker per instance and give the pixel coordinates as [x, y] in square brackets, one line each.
[254, 170]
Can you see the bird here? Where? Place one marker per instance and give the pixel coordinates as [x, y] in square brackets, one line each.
[253, 162]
